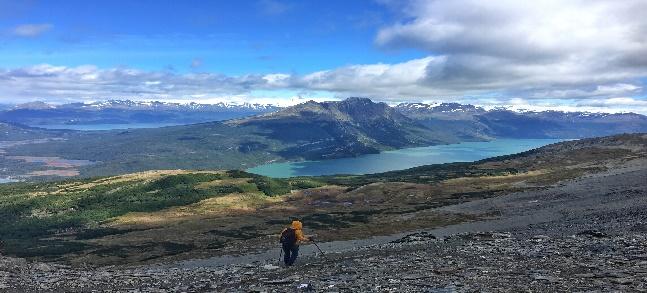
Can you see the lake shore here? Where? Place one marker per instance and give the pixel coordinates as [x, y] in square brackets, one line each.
[402, 158]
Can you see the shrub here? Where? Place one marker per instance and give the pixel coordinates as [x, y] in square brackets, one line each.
[272, 187]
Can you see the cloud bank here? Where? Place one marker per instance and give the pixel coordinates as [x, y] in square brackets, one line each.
[525, 47]
[89, 82]
[577, 53]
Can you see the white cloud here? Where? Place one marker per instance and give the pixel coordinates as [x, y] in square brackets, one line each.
[372, 79]
[606, 105]
[614, 102]
[31, 30]
[407, 81]
[527, 47]
[278, 80]
[617, 89]
[89, 82]
[550, 53]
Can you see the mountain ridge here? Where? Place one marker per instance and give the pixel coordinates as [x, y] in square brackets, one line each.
[308, 131]
[466, 120]
[128, 112]
[359, 123]
[131, 104]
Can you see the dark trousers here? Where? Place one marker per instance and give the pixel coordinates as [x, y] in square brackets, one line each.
[290, 253]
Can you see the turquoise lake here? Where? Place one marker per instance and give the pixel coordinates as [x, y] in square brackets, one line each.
[403, 158]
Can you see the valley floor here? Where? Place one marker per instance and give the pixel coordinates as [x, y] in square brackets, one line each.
[584, 234]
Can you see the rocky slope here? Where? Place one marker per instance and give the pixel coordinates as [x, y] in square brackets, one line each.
[191, 214]
[586, 234]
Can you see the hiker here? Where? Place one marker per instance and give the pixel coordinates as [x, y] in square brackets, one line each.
[290, 239]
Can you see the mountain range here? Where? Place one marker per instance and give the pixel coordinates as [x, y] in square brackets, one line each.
[42, 114]
[308, 131]
[467, 121]
[147, 105]
[338, 129]
[448, 121]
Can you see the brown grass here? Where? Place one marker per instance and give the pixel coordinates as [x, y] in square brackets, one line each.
[251, 221]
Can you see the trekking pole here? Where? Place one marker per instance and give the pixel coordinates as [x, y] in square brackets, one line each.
[280, 255]
[322, 253]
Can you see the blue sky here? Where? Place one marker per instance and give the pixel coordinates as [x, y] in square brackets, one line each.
[230, 37]
[567, 54]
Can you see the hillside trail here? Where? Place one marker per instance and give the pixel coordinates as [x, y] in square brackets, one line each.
[567, 199]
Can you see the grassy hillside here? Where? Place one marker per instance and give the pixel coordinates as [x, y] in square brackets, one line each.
[585, 154]
[49, 219]
[155, 215]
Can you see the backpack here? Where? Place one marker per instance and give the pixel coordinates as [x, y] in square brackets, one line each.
[289, 236]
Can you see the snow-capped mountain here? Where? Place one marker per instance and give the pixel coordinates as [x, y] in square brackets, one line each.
[471, 121]
[42, 114]
[438, 108]
[150, 105]
[467, 122]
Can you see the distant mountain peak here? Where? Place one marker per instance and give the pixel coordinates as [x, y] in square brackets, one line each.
[342, 128]
[349, 109]
[125, 104]
[359, 100]
[471, 121]
[438, 108]
[36, 105]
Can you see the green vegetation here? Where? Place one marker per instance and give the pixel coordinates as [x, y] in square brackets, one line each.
[271, 186]
[14, 132]
[305, 182]
[183, 180]
[141, 216]
[274, 186]
[41, 215]
[423, 174]
[214, 146]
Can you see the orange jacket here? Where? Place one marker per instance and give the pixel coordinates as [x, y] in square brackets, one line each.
[298, 231]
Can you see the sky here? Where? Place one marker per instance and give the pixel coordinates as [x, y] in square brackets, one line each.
[548, 54]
